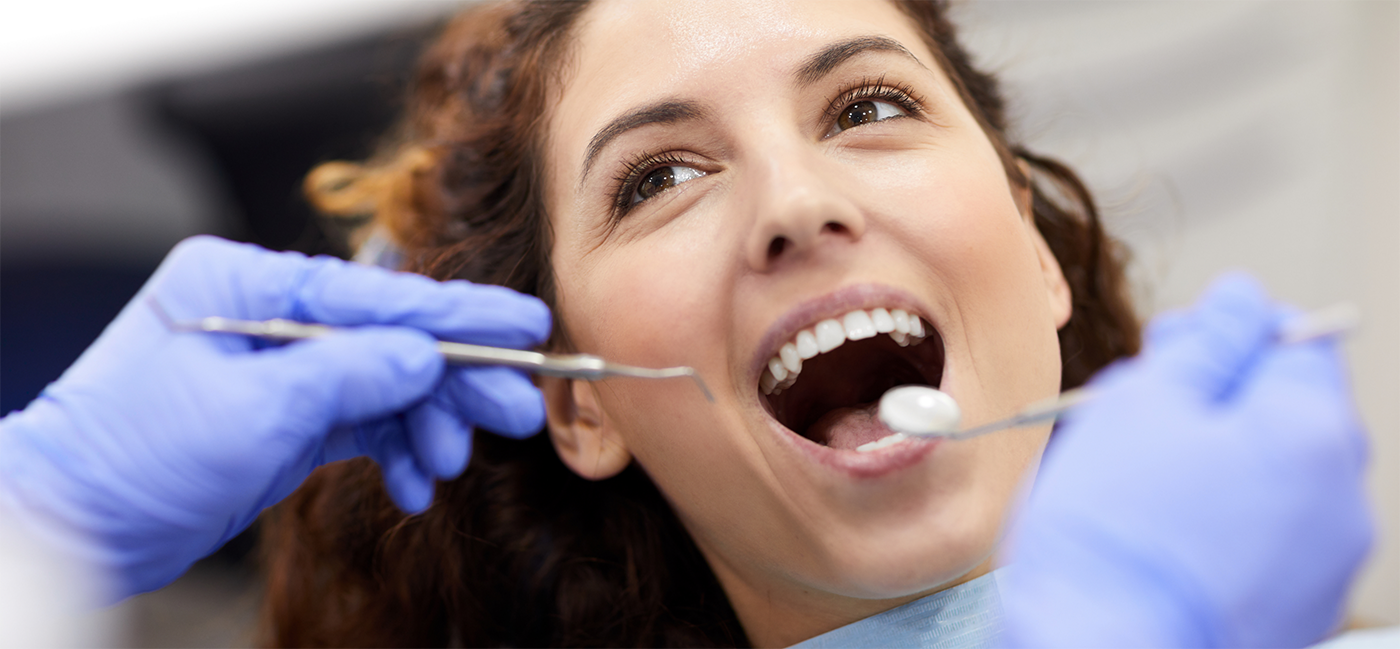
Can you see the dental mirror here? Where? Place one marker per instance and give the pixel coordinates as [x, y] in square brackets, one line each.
[924, 411]
[920, 410]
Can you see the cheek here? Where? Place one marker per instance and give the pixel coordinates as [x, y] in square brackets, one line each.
[955, 213]
[666, 301]
[948, 192]
[647, 304]
[660, 302]
[975, 246]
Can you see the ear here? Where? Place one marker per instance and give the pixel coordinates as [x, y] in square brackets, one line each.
[585, 440]
[1056, 288]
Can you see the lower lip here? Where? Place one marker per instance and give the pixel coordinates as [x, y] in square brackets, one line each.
[859, 465]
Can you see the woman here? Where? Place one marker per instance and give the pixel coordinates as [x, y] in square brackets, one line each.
[773, 195]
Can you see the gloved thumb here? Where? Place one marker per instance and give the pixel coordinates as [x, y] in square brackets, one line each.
[352, 375]
[1211, 347]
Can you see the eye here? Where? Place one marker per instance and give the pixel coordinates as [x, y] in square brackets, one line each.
[865, 112]
[661, 179]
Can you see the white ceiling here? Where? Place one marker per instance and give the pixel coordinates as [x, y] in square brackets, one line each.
[51, 50]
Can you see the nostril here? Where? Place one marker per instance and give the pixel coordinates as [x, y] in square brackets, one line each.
[835, 228]
[776, 247]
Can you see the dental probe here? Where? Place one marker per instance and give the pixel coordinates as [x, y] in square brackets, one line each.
[573, 366]
[923, 411]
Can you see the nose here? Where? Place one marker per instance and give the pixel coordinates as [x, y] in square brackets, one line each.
[800, 208]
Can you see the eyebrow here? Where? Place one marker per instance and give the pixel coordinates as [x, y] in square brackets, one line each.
[667, 111]
[832, 56]
[671, 111]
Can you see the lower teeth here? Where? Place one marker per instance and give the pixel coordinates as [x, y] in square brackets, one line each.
[888, 440]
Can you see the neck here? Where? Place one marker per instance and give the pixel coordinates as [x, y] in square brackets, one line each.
[778, 613]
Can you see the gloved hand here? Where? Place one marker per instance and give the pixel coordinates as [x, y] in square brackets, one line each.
[157, 447]
[1211, 496]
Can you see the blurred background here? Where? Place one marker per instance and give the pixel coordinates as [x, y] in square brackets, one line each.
[1217, 135]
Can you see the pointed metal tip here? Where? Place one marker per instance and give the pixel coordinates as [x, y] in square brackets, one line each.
[688, 371]
[682, 371]
[700, 383]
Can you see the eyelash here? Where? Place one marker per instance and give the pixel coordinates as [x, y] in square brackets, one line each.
[898, 94]
[639, 166]
[635, 170]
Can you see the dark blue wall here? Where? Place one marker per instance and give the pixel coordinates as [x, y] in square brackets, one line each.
[48, 316]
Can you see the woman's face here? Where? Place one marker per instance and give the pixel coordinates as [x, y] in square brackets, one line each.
[725, 176]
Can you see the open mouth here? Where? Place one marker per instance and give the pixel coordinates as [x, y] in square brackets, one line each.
[826, 383]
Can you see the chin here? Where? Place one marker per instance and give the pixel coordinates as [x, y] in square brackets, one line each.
[922, 557]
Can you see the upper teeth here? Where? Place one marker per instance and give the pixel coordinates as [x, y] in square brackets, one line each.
[831, 333]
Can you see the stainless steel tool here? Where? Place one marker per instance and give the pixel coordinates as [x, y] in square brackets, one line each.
[1330, 321]
[575, 366]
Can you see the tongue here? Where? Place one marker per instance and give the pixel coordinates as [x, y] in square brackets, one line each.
[848, 428]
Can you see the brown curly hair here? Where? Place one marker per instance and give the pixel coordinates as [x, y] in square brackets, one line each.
[519, 550]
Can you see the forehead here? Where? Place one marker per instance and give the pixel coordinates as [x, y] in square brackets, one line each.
[700, 35]
[626, 53]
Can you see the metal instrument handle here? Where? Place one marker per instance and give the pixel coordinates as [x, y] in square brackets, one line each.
[585, 367]
[1333, 320]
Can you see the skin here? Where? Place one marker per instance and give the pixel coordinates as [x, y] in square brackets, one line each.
[919, 204]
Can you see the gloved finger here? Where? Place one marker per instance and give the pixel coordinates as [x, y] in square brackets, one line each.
[440, 440]
[1220, 338]
[360, 438]
[351, 376]
[340, 293]
[499, 399]
[410, 487]
[207, 276]
[1299, 396]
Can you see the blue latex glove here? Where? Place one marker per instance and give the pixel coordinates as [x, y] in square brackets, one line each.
[1212, 496]
[157, 447]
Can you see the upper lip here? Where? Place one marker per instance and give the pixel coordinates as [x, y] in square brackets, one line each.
[832, 305]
